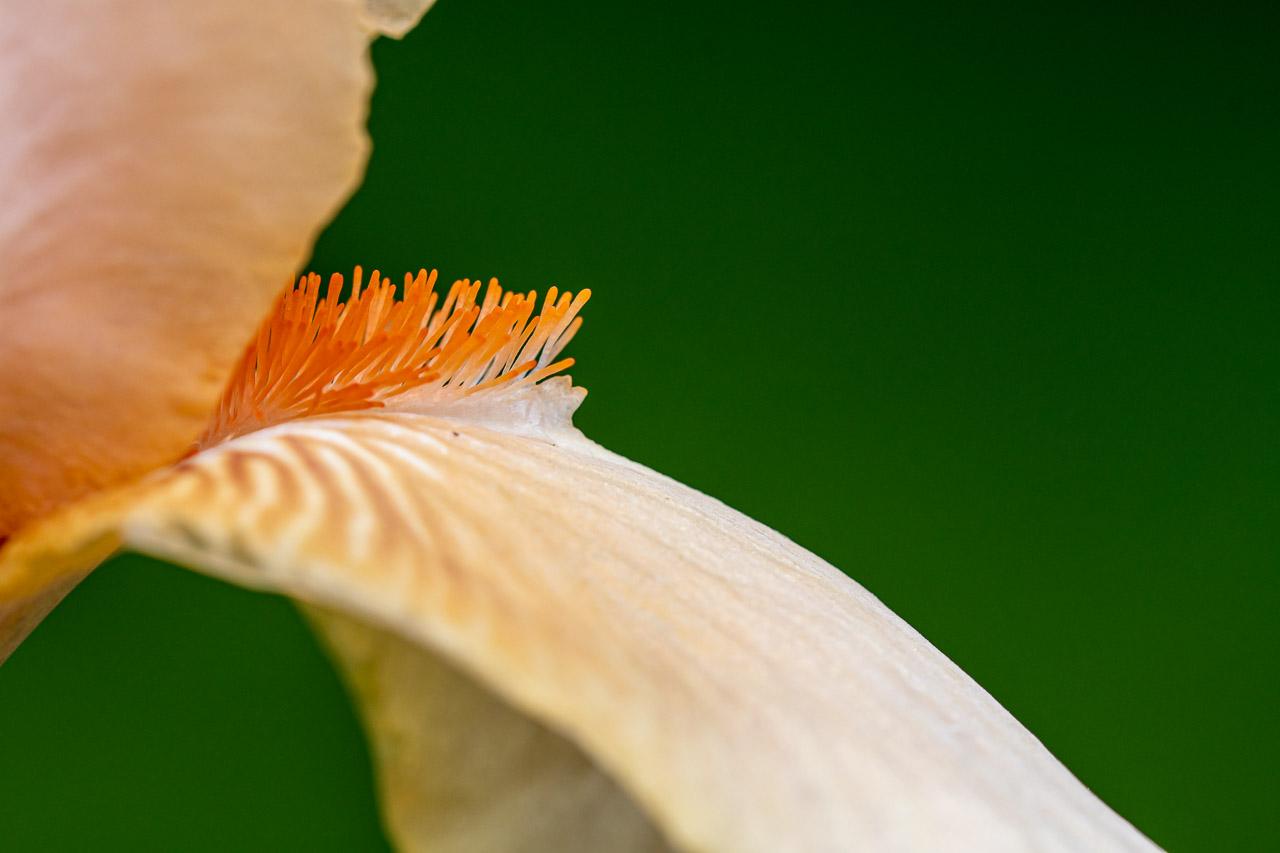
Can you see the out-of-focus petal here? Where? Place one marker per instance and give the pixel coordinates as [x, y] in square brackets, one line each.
[396, 17]
[462, 771]
[744, 693]
[165, 168]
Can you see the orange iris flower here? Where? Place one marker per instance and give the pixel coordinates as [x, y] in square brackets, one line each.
[553, 648]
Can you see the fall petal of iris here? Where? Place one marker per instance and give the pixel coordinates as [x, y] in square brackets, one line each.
[745, 695]
[165, 168]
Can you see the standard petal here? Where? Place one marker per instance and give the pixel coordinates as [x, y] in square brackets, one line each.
[747, 695]
[165, 168]
[396, 17]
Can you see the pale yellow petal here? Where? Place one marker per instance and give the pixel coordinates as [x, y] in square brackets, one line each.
[461, 771]
[164, 169]
[747, 695]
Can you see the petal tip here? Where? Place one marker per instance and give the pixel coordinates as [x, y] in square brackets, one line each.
[395, 18]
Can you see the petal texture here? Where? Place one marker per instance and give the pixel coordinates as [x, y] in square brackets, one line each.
[746, 694]
[165, 167]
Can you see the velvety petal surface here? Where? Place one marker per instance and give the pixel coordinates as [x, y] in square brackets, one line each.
[164, 167]
[744, 694]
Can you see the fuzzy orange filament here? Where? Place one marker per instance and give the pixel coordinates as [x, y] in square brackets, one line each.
[320, 355]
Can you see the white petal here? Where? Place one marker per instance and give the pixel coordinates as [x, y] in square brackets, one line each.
[746, 694]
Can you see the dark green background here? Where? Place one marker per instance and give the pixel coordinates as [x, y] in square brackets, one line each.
[979, 306]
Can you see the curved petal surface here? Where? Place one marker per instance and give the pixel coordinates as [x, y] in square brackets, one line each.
[164, 169]
[746, 694]
[461, 771]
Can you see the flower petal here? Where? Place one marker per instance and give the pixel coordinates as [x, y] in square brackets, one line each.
[396, 17]
[166, 166]
[460, 770]
[746, 694]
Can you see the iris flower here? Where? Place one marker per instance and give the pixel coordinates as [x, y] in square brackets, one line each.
[552, 647]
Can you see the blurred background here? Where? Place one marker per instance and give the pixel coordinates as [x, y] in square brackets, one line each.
[980, 306]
